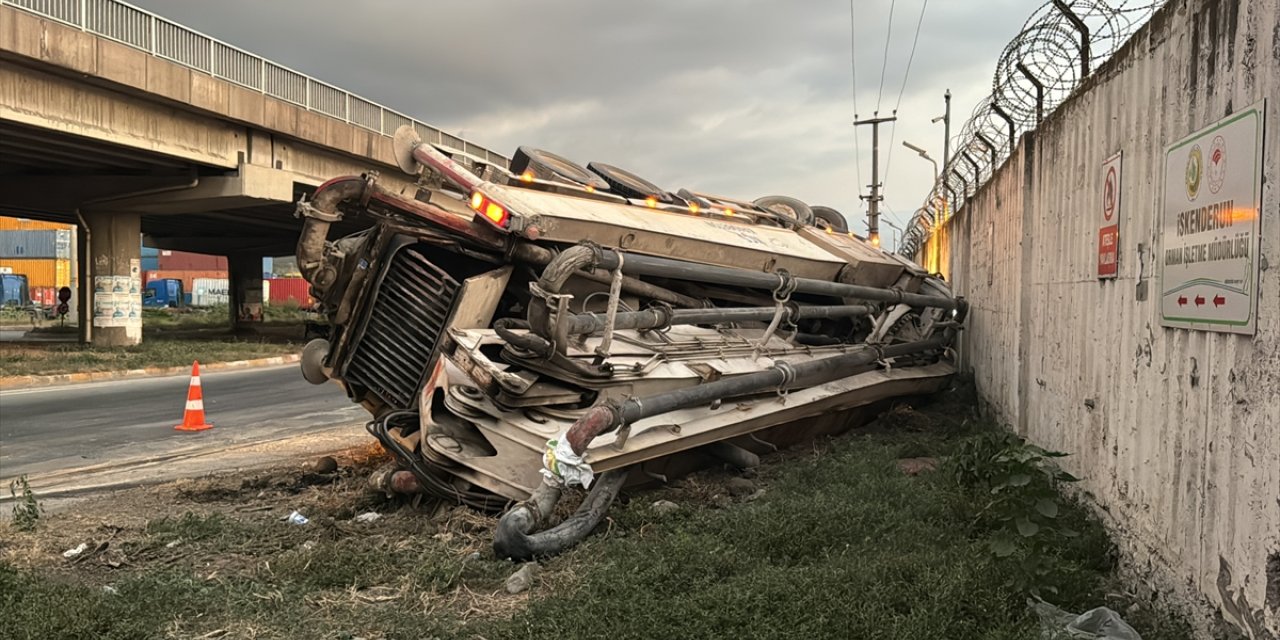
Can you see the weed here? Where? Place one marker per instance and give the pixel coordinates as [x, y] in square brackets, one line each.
[1023, 482]
[26, 510]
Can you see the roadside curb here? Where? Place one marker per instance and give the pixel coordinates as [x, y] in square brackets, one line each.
[22, 382]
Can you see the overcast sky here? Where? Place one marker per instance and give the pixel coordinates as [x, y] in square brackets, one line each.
[740, 98]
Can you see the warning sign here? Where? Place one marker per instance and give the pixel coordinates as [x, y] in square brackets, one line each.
[1109, 225]
[1212, 226]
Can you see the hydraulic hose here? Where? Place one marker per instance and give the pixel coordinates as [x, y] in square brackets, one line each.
[514, 538]
[659, 317]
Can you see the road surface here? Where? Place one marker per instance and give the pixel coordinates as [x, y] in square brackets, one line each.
[51, 429]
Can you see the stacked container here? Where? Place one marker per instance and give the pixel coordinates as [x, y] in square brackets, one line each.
[281, 291]
[41, 251]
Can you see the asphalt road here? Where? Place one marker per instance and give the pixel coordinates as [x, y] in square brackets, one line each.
[56, 428]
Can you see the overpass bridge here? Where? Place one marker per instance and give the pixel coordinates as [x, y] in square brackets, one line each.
[125, 123]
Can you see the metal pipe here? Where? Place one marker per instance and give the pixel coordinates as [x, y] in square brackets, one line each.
[780, 376]
[318, 213]
[532, 253]
[643, 265]
[998, 110]
[658, 317]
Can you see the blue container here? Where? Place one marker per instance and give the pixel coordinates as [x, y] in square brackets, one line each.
[150, 252]
[14, 291]
[165, 292]
[150, 263]
[35, 244]
[267, 264]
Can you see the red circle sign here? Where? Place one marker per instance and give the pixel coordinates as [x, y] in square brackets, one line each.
[1109, 195]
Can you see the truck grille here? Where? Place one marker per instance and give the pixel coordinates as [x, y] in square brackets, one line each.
[409, 311]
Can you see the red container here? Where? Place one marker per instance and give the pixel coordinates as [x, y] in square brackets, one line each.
[44, 296]
[282, 290]
[183, 261]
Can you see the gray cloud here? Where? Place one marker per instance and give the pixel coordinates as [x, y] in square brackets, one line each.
[741, 98]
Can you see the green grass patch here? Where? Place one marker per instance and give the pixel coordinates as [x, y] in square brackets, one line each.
[841, 544]
[55, 358]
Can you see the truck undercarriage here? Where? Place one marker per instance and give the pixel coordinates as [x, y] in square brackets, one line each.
[516, 332]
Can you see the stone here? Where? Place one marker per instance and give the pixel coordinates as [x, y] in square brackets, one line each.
[664, 507]
[917, 466]
[739, 487]
[523, 578]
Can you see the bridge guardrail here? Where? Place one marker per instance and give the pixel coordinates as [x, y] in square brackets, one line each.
[164, 38]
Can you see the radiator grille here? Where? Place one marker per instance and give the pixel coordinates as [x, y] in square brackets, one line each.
[405, 320]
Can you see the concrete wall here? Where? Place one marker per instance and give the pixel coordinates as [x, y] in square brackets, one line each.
[1175, 432]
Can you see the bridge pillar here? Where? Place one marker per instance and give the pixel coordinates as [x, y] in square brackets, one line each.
[244, 284]
[111, 309]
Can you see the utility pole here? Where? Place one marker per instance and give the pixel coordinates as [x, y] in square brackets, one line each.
[946, 147]
[873, 200]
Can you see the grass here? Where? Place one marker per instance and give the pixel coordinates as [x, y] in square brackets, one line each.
[841, 544]
[55, 358]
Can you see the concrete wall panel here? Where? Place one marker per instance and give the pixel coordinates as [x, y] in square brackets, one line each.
[1176, 432]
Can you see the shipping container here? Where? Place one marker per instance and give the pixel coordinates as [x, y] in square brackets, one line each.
[280, 291]
[44, 296]
[35, 244]
[150, 263]
[13, 290]
[188, 278]
[26, 224]
[41, 272]
[150, 252]
[206, 292]
[184, 261]
[165, 292]
[267, 264]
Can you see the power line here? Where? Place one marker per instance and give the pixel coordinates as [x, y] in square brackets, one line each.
[888, 33]
[888, 162]
[911, 57]
[853, 59]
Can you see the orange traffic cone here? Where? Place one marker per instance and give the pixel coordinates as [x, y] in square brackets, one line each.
[193, 417]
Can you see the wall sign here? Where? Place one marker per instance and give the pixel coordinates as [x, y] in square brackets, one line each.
[1109, 222]
[1212, 226]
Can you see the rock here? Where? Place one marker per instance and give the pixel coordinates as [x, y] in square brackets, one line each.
[523, 578]
[173, 543]
[325, 464]
[721, 501]
[79, 549]
[738, 487]
[754, 496]
[917, 466]
[664, 507]
[110, 590]
[474, 556]
[366, 518]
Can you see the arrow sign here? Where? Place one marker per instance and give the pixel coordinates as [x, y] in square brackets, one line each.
[1199, 301]
[1218, 301]
[1182, 301]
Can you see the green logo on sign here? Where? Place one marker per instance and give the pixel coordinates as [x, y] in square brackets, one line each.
[1195, 167]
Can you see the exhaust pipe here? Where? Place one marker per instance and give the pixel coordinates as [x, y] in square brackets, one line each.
[318, 213]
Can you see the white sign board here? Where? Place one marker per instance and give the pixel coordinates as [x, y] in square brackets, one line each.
[1212, 226]
[1109, 221]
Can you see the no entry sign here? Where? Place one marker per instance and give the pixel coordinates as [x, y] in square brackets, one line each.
[1109, 224]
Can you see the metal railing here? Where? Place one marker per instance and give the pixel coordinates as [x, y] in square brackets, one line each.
[139, 28]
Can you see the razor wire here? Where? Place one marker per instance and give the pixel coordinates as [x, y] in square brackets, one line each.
[1059, 45]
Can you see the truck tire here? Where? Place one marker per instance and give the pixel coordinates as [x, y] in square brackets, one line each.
[549, 166]
[787, 206]
[627, 184]
[833, 218]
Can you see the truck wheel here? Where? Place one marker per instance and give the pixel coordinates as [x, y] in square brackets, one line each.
[549, 166]
[627, 184]
[787, 206]
[831, 217]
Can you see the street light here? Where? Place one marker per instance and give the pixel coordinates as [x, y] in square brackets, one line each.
[896, 235]
[923, 154]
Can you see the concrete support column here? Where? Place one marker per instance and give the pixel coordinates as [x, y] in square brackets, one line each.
[244, 284]
[112, 304]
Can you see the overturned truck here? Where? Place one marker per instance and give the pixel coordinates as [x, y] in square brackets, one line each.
[516, 331]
